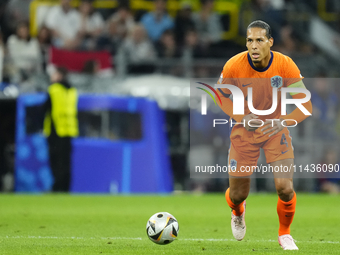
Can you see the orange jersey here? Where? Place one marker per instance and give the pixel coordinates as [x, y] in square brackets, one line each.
[240, 71]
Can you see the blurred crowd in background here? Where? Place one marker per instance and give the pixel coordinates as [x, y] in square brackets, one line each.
[196, 29]
[184, 39]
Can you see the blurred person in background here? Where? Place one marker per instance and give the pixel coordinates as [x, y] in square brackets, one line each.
[2, 57]
[24, 53]
[208, 24]
[123, 19]
[15, 11]
[183, 23]
[45, 40]
[139, 51]
[65, 25]
[167, 49]
[329, 181]
[287, 43]
[60, 126]
[91, 25]
[6, 133]
[193, 44]
[325, 103]
[194, 47]
[7, 148]
[158, 21]
[19, 9]
[118, 26]
[4, 20]
[111, 39]
[272, 10]
[166, 46]
[91, 67]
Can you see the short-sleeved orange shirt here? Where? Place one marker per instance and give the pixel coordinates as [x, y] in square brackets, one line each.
[240, 71]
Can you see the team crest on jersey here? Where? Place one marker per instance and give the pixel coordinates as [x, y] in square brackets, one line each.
[276, 81]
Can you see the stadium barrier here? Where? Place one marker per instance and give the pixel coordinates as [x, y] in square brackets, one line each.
[99, 165]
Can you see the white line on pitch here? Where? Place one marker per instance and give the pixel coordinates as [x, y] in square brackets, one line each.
[234, 240]
[71, 237]
[139, 238]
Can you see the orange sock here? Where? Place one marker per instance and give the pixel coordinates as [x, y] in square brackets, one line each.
[286, 211]
[237, 209]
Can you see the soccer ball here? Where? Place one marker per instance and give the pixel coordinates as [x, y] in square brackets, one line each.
[162, 228]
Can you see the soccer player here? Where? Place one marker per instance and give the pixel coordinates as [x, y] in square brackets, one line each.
[261, 69]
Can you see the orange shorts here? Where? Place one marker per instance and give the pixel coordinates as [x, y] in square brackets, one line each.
[243, 155]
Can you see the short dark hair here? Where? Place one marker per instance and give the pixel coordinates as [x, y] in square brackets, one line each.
[203, 2]
[124, 6]
[261, 24]
[63, 71]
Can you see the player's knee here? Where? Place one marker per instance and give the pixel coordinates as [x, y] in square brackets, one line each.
[285, 193]
[238, 197]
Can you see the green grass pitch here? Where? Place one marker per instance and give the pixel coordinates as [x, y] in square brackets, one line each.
[75, 224]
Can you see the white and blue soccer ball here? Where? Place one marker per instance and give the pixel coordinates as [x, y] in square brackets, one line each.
[162, 228]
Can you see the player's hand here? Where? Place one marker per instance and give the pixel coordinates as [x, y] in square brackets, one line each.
[249, 117]
[272, 127]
